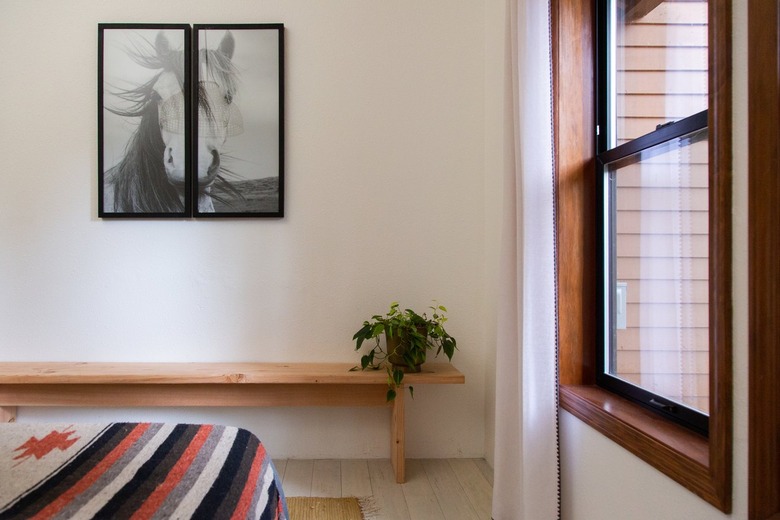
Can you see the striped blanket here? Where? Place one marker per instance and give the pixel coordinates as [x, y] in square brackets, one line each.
[136, 470]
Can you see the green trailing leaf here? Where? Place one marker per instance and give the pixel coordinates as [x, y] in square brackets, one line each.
[365, 361]
[362, 335]
[411, 391]
[390, 395]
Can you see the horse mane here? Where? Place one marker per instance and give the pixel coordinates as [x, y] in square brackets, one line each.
[139, 180]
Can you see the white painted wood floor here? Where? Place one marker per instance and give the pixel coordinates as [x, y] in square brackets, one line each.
[435, 489]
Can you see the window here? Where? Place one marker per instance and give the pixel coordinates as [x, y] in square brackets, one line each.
[655, 269]
[700, 463]
[652, 135]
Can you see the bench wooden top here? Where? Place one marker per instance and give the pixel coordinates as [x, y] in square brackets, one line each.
[212, 384]
[59, 373]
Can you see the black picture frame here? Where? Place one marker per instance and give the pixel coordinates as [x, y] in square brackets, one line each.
[143, 94]
[190, 120]
[238, 120]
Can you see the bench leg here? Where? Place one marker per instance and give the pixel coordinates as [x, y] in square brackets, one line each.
[7, 414]
[397, 437]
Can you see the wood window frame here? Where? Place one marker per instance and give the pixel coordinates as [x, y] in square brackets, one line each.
[763, 251]
[701, 464]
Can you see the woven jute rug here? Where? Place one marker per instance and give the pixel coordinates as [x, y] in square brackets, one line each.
[317, 508]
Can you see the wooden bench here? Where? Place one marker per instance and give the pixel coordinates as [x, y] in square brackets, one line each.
[213, 384]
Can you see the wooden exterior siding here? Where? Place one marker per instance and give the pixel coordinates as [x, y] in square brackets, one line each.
[662, 208]
[665, 76]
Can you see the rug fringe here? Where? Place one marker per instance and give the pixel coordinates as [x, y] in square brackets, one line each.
[368, 507]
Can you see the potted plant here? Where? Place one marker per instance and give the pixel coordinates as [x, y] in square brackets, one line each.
[408, 338]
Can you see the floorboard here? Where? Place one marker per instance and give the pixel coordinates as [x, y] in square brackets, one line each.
[477, 489]
[326, 479]
[451, 496]
[485, 469]
[435, 489]
[298, 477]
[420, 498]
[388, 496]
[280, 465]
[355, 479]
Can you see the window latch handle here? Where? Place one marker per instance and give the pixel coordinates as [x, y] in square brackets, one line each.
[663, 406]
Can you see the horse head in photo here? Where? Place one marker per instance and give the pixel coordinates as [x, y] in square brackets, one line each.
[151, 176]
[218, 118]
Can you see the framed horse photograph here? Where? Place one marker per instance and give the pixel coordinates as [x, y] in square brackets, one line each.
[190, 120]
[238, 118]
[144, 121]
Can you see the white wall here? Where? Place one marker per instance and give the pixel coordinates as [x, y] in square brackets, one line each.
[386, 200]
[602, 481]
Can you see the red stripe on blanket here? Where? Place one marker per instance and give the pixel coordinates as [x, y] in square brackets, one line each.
[155, 500]
[242, 508]
[90, 478]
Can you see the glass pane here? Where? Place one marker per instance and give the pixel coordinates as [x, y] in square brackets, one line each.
[660, 309]
[659, 65]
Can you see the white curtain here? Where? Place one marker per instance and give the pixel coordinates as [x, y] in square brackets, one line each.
[526, 457]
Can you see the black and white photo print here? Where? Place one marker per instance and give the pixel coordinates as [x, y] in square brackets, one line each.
[238, 121]
[144, 152]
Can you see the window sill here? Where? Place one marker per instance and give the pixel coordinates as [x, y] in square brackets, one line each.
[679, 453]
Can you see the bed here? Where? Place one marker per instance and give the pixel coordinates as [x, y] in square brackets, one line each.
[136, 470]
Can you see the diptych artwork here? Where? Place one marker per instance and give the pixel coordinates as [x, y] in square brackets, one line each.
[190, 121]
